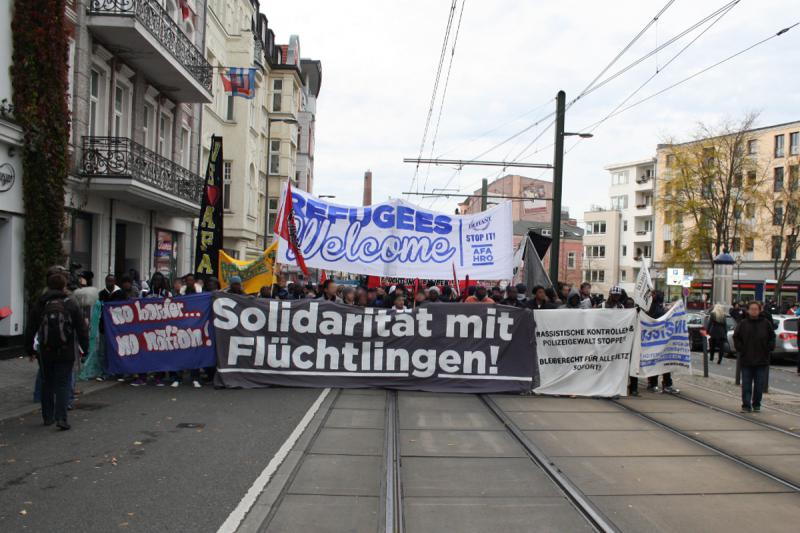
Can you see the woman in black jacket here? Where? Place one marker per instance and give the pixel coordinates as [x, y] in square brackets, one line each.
[717, 330]
[754, 340]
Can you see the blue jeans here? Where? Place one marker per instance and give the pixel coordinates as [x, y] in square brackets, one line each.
[754, 381]
[37, 387]
[56, 378]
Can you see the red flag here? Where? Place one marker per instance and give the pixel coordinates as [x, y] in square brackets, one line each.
[466, 287]
[185, 11]
[323, 278]
[285, 228]
[455, 282]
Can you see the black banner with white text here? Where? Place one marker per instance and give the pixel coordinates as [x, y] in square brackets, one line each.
[316, 343]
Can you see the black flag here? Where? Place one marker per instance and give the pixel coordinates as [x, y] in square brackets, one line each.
[209, 230]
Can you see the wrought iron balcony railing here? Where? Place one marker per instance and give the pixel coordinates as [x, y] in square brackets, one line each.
[158, 22]
[121, 157]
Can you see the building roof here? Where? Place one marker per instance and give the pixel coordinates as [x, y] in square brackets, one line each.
[312, 70]
[614, 166]
[522, 227]
[763, 128]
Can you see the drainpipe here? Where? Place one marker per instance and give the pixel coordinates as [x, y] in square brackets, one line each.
[110, 231]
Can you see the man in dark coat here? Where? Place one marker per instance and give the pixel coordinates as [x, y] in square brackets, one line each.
[57, 354]
[754, 340]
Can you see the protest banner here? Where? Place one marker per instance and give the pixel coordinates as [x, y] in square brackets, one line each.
[584, 352]
[316, 343]
[643, 290]
[399, 239]
[158, 334]
[255, 274]
[209, 227]
[663, 344]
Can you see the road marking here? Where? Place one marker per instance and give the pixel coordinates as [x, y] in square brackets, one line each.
[235, 518]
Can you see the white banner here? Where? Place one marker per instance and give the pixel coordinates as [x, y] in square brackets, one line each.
[584, 352]
[399, 239]
[664, 344]
[642, 291]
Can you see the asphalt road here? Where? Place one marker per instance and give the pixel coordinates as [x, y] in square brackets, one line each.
[783, 375]
[128, 464]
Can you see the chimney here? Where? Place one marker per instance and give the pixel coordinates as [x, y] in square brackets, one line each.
[367, 188]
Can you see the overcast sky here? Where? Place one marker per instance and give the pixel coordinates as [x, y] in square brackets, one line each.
[379, 60]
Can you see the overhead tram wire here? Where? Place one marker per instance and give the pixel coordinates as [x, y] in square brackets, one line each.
[688, 78]
[658, 71]
[435, 89]
[444, 91]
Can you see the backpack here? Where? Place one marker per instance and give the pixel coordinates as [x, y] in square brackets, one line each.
[56, 330]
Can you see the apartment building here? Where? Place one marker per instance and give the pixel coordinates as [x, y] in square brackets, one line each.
[772, 155]
[536, 207]
[138, 79]
[620, 236]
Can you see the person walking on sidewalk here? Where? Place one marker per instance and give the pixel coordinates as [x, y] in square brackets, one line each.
[57, 324]
[754, 340]
[717, 330]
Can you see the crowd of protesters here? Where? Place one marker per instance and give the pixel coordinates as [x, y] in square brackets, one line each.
[70, 297]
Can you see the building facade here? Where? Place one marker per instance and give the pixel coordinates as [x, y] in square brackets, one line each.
[12, 212]
[138, 79]
[601, 243]
[536, 207]
[772, 152]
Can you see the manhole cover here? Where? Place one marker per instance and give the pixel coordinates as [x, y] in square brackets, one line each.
[190, 425]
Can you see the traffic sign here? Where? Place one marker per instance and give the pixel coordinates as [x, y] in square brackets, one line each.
[674, 276]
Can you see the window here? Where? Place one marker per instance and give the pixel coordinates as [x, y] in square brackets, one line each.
[749, 244]
[667, 217]
[596, 228]
[647, 250]
[667, 247]
[619, 178]
[571, 259]
[737, 212]
[750, 210]
[165, 135]
[597, 276]
[778, 185]
[791, 246]
[736, 245]
[708, 188]
[119, 127]
[738, 180]
[777, 213]
[648, 225]
[148, 127]
[229, 108]
[624, 225]
[226, 185]
[794, 176]
[679, 217]
[752, 147]
[272, 213]
[624, 250]
[794, 139]
[751, 177]
[95, 106]
[619, 202]
[670, 160]
[275, 156]
[186, 150]
[623, 275]
[777, 244]
[596, 251]
[277, 87]
[779, 145]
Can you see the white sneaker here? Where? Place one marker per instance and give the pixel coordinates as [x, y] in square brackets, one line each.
[175, 384]
[196, 385]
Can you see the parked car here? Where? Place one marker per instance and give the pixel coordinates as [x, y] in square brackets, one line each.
[786, 333]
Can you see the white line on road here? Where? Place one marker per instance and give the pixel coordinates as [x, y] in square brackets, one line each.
[235, 518]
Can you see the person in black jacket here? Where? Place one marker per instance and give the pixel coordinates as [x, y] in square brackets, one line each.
[56, 354]
[717, 330]
[754, 340]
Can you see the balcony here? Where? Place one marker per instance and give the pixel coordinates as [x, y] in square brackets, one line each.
[643, 236]
[144, 35]
[122, 168]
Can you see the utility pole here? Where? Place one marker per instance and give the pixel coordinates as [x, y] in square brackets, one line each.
[558, 174]
[484, 193]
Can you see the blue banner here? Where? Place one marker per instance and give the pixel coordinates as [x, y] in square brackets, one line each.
[664, 344]
[159, 334]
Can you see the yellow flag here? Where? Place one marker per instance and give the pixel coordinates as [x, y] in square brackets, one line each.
[255, 274]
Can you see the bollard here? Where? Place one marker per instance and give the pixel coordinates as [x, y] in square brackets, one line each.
[705, 356]
[738, 379]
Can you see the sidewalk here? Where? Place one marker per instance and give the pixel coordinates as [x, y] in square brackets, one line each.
[17, 378]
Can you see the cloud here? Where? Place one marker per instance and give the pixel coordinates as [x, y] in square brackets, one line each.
[379, 60]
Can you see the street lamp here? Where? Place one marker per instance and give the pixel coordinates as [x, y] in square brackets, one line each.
[326, 196]
[739, 262]
[581, 135]
[269, 164]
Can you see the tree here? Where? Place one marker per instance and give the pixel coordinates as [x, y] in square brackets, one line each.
[39, 79]
[709, 192]
[781, 205]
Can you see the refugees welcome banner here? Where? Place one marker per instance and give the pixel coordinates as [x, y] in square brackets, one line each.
[316, 343]
[399, 239]
[664, 344]
[158, 334]
[584, 352]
